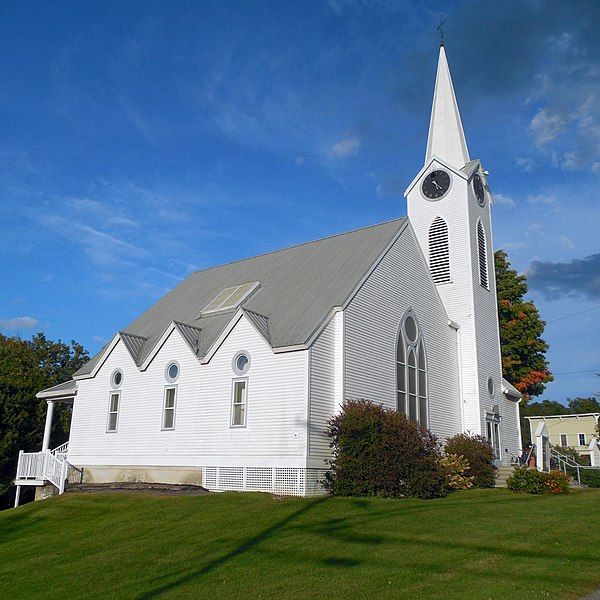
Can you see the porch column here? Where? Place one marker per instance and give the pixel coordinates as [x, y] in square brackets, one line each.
[48, 425]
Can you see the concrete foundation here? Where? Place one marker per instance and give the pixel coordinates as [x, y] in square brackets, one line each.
[142, 474]
[45, 491]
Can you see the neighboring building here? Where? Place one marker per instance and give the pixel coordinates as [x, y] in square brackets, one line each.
[229, 380]
[573, 431]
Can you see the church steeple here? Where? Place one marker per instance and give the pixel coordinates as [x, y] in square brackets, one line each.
[446, 138]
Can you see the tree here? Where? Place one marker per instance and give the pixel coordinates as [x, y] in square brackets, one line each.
[583, 405]
[524, 361]
[26, 367]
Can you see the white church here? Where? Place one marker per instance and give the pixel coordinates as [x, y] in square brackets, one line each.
[229, 380]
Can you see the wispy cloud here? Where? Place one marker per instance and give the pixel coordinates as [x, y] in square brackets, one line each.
[544, 201]
[17, 323]
[504, 200]
[348, 146]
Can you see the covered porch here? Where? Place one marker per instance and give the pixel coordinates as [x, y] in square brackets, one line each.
[48, 466]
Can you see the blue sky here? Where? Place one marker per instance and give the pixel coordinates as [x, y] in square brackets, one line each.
[142, 141]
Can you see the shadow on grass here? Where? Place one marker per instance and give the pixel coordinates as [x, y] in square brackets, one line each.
[243, 547]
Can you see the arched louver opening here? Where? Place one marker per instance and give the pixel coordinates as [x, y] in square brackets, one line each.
[439, 252]
[482, 251]
[411, 371]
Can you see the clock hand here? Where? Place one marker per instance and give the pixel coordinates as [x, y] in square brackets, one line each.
[439, 187]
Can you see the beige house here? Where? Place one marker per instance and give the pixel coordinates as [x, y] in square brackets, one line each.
[574, 431]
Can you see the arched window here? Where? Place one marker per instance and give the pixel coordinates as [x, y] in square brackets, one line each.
[439, 253]
[482, 251]
[411, 371]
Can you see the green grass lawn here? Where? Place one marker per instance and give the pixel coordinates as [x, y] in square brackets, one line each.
[475, 544]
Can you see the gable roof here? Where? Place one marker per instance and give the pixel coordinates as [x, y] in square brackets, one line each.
[299, 287]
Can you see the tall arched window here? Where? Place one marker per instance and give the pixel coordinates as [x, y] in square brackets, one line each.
[439, 252]
[411, 371]
[482, 251]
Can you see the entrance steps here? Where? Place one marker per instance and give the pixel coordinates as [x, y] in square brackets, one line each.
[502, 475]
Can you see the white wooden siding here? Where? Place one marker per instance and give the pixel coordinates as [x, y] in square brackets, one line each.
[325, 387]
[371, 322]
[275, 434]
[510, 428]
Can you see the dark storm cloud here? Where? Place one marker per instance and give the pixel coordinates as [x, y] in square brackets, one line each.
[580, 276]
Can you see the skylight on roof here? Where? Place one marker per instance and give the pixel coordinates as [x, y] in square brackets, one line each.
[230, 297]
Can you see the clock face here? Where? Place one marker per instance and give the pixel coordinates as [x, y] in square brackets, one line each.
[436, 184]
[478, 188]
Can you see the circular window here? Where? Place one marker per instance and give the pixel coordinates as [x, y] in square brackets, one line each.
[241, 363]
[172, 371]
[410, 327]
[116, 378]
[490, 386]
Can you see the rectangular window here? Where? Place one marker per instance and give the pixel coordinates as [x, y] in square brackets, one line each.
[113, 411]
[169, 408]
[582, 439]
[563, 439]
[238, 402]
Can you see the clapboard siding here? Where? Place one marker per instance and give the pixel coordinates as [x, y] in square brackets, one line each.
[371, 321]
[510, 429]
[275, 434]
[325, 386]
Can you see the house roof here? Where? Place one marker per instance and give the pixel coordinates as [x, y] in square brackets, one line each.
[510, 390]
[299, 286]
[62, 390]
[561, 417]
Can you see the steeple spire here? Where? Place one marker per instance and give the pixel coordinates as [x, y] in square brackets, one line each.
[446, 136]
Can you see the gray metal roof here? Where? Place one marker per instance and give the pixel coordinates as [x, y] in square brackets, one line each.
[65, 389]
[470, 167]
[510, 389]
[299, 286]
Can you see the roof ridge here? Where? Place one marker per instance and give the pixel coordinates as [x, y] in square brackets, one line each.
[327, 237]
[137, 335]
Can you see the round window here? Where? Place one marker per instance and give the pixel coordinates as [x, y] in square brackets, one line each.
[490, 386]
[241, 363]
[410, 327]
[116, 378]
[172, 371]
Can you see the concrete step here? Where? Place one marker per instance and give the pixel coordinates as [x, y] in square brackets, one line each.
[502, 474]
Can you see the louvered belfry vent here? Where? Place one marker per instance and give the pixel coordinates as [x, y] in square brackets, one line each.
[481, 248]
[439, 252]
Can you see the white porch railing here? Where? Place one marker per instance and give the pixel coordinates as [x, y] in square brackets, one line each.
[50, 465]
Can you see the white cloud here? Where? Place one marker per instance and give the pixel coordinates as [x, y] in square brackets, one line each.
[546, 126]
[504, 200]
[19, 323]
[567, 243]
[526, 163]
[299, 160]
[346, 147]
[512, 245]
[544, 200]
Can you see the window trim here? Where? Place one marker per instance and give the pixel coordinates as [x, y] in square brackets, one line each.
[113, 385]
[484, 273]
[164, 407]
[579, 439]
[440, 236]
[419, 351]
[234, 367]
[566, 444]
[110, 412]
[245, 403]
[168, 366]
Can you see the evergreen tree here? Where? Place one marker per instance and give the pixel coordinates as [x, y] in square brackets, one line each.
[524, 361]
[26, 367]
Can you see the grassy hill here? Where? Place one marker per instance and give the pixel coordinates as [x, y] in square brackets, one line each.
[475, 544]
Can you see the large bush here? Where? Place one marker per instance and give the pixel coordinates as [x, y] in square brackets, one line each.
[532, 481]
[455, 468]
[379, 452]
[479, 454]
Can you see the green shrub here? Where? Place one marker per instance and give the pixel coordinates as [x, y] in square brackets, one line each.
[379, 452]
[590, 478]
[479, 454]
[532, 481]
[455, 467]
[557, 482]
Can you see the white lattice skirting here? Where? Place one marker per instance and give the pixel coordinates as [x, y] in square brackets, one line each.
[287, 481]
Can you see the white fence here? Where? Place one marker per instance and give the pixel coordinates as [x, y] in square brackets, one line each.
[287, 481]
